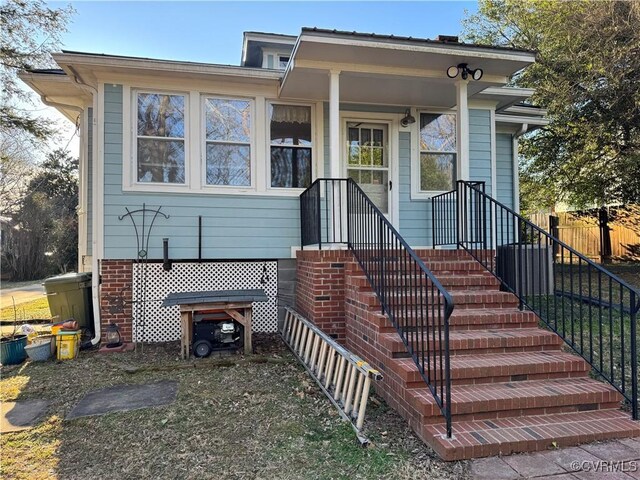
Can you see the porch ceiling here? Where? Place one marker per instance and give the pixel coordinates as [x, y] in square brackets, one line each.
[391, 71]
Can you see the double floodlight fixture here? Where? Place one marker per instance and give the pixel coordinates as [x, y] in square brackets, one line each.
[464, 71]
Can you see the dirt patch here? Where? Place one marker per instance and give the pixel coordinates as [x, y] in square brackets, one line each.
[233, 419]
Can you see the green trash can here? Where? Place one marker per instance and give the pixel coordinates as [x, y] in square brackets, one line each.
[69, 297]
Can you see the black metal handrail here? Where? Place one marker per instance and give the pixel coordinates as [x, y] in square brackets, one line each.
[416, 303]
[593, 310]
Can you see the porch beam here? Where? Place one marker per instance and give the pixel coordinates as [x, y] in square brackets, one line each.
[334, 124]
[387, 70]
[462, 124]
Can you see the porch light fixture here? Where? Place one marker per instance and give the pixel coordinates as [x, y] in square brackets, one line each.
[408, 118]
[464, 71]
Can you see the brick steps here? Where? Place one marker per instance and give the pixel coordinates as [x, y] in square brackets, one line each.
[504, 436]
[463, 299]
[497, 367]
[483, 282]
[513, 388]
[473, 342]
[499, 400]
[463, 319]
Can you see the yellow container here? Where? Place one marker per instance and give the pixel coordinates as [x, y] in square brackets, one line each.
[68, 344]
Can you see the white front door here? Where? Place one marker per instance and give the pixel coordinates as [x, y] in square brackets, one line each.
[367, 161]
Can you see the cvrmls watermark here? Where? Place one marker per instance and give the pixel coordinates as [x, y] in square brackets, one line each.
[604, 466]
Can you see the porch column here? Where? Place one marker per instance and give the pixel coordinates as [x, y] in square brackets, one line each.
[334, 124]
[462, 121]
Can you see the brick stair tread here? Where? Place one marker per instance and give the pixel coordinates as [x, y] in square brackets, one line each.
[460, 297]
[503, 436]
[493, 338]
[492, 397]
[493, 365]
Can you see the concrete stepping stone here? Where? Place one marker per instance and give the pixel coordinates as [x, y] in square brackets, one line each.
[22, 415]
[121, 398]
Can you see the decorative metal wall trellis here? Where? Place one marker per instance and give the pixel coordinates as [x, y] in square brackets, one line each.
[163, 324]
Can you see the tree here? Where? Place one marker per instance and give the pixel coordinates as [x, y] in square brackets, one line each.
[29, 31]
[587, 76]
[44, 236]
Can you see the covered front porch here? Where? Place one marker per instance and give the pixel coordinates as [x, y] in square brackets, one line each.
[400, 127]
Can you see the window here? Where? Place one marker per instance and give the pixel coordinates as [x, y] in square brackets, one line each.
[160, 138]
[437, 152]
[283, 60]
[291, 146]
[228, 141]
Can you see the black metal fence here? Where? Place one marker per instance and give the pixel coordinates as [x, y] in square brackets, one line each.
[416, 303]
[594, 311]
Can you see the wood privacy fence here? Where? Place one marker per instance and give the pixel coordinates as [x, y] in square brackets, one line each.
[582, 233]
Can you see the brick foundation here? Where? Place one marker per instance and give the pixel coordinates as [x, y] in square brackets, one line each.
[116, 296]
[320, 289]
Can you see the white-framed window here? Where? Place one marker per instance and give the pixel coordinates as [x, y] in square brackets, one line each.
[159, 143]
[283, 60]
[228, 142]
[437, 155]
[290, 145]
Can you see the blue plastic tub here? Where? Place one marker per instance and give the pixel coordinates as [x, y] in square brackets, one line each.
[12, 350]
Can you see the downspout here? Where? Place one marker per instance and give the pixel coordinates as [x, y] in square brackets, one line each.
[95, 276]
[516, 177]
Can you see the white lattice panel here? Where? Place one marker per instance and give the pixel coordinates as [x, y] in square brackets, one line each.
[162, 324]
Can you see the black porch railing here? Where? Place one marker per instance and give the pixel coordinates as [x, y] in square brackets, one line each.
[594, 311]
[416, 303]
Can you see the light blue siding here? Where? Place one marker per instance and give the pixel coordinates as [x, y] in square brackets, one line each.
[504, 168]
[480, 147]
[90, 181]
[415, 215]
[234, 227]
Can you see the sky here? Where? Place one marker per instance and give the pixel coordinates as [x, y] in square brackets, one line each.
[212, 31]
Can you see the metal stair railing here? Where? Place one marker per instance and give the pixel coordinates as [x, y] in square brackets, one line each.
[593, 310]
[417, 305]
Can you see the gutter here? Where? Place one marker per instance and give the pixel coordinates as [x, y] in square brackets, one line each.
[95, 272]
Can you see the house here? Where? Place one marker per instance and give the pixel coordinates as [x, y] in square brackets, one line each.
[233, 156]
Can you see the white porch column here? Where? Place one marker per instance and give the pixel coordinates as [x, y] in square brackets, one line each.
[462, 121]
[334, 124]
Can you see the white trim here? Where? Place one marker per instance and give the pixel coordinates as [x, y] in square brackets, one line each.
[416, 193]
[384, 70]
[252, 146]
[392, 121]
[315, 140]
[129, 142]
[414, 46]
[97, 241]
[522, 119]
[494, 174]
[83, 192]
[516, 174]
[334, 125]
[462, 123]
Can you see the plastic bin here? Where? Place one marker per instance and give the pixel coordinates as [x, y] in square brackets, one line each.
[68, 344]
[69, 297]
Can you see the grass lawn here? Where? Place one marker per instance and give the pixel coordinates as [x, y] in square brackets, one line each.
[25, 311]
[240, 421]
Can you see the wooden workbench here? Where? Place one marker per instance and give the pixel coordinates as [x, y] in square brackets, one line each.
[235, 303]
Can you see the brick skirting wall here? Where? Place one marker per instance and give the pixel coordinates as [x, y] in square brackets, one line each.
[116, 296]
[320, 289]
